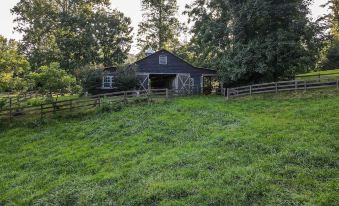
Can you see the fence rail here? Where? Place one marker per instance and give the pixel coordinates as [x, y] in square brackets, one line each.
[319, 75]
[275, 87]
[18, 100]
[81, 103]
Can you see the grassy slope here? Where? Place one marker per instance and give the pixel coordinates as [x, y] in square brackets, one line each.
[333, 73]
[191, 151]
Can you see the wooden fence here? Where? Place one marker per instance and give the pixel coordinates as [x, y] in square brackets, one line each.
[16, 101]
[276, 87]
[317, 76]
[81, 103]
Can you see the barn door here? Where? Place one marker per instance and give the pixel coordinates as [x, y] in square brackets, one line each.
[184, 84]
[191, 85]
[143, 80]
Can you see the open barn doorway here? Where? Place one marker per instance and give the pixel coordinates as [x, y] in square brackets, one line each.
[162, 81]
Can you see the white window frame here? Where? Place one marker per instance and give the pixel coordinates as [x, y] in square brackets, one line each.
[163, 59]
[107, 82]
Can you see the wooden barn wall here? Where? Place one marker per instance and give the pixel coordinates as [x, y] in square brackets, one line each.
[174, 65]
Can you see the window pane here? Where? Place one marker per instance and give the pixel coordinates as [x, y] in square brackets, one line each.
[107, 82]
[162, 59]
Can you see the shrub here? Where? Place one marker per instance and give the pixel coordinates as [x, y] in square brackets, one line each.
[52, 79]
[109, 106]
[125, 78]
[37, 101]
[90, 78]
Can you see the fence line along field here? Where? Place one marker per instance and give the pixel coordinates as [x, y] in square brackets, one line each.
[80, 103]
[276, 87]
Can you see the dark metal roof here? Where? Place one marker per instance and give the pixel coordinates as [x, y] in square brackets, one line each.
[111, 69]
[161, 50]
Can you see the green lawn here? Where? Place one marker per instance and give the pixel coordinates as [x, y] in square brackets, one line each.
[264, 150]
[323, 74]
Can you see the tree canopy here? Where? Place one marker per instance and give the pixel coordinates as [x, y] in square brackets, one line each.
[160, 27]
[13, 67]
[74, 33]
[250, 41]
[52, 79]
[246, 41]
[331, 59]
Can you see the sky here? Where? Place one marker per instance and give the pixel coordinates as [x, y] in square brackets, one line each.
[130, 8]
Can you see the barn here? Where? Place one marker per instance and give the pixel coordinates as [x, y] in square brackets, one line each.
[163, 69]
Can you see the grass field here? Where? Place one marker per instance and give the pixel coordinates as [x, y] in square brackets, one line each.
[321, 74]
[265, 150]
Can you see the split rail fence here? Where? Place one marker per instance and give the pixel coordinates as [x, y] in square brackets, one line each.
[15, 101]
[68, 106]
[275, 87]
[319, 76]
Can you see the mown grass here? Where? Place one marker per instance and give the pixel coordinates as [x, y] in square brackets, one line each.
[263, 150]
[323, 74]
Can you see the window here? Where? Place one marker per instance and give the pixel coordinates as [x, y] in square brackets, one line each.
[107, 82]
[162, 59]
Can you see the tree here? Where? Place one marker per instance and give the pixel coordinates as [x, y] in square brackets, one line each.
[331, 60]
[74, 33]
[13, 67]
[113, 36]
[160, 27]
[125, 78]
[90, 78]
[254, 41]
[52, 79]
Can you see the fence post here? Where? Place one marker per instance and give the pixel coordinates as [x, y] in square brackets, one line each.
[41, 111]
[296, 85]
[54, 107]
[251, 90]
[276, 87]
[10, 110]
[125, 97]
[228, 94]
[166, 93]
[149, 96]
[305, 85]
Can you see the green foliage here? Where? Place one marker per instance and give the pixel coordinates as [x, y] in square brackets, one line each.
[125, 78]
[90, 78]
[2, 103]
[37, 101]
[333, 17]
[113, 36]
[108, 105]
[160, 27]
[331, 56]
[253, 41]
[74, 33]
[13, 67]
[264, 150]
[52, 79]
